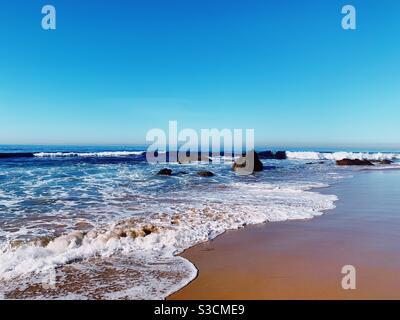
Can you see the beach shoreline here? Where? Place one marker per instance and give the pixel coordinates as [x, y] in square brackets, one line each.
[130, 248]
[302, 259]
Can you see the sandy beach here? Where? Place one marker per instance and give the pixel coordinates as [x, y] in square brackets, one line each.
[303, 259]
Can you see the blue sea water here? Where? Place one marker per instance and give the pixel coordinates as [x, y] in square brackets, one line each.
[76, 209]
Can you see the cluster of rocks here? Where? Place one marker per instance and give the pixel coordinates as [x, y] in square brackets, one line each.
[249, 162]
[246, 164]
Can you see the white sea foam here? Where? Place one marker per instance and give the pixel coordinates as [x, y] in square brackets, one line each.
[310, 155]
[198, 219]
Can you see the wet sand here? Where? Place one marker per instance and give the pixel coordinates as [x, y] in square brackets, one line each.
[303, 259]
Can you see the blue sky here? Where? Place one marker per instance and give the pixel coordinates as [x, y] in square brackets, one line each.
[115, 69]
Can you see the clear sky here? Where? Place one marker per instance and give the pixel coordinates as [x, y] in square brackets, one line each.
[115, 69]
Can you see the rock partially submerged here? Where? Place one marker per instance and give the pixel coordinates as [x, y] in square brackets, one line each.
[248, 164]
[164, 172]
[205, 173]
[354, 162]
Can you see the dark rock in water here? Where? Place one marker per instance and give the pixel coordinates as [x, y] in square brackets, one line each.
[165, 172]
[248, 164]
[320, 162]
[180, 173]
[279, 155]
[355, 162]
[16, 155]
[205, 173]
[187, 157]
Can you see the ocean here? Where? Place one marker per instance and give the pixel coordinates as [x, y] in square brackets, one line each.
[99, 223]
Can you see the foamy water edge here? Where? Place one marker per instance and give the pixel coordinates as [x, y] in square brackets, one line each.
[205, 223]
